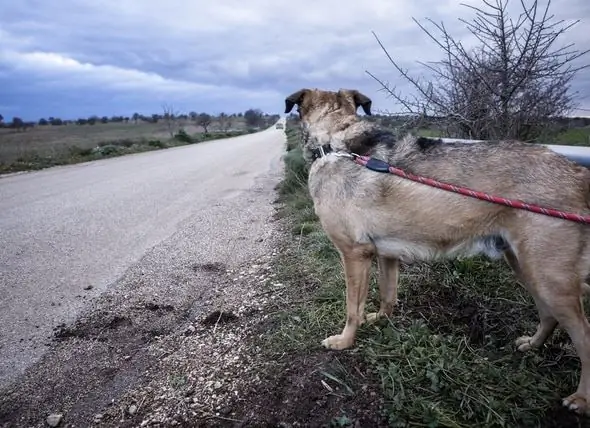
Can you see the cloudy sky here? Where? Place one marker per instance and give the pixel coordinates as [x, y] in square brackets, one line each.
[75, 58]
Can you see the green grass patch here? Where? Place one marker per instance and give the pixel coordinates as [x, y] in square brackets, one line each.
[446, 357]
[574, 137]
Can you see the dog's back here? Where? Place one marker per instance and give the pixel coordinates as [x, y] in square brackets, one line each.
[510, 168]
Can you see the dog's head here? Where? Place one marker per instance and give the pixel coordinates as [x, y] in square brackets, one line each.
[315, 104]
[324, 113]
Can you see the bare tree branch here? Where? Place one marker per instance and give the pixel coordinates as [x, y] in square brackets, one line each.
[509, 86]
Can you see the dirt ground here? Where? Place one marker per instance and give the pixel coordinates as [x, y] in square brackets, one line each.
[134, 361]
[146, 363]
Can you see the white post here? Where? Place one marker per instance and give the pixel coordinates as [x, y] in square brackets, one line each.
[578, 154]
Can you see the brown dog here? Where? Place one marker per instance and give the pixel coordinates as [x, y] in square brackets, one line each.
[366, 213]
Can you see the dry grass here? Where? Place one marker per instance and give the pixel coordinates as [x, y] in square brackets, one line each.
[54, 140]
[46, 146]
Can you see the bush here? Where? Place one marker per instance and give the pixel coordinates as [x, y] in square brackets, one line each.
[157, 143]
[107, 150]
[182, 136]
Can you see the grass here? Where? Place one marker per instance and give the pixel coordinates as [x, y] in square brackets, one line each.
[48, 146]
[574, 137]
[446, 357]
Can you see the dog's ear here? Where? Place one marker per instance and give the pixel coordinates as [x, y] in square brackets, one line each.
[363, 101]
[294, 98]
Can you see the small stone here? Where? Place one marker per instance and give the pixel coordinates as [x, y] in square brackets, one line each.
[54, 419]
[97, 418]
[132, 409]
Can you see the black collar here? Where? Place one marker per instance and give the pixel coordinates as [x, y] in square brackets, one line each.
[320, 151]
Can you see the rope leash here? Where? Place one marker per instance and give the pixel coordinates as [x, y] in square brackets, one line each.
[381, 166]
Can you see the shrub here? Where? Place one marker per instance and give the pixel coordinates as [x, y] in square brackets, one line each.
[182, 136]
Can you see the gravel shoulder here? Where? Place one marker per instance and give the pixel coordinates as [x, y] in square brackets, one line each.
[145, 334]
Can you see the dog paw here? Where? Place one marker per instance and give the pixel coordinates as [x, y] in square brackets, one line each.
[372, 317]
[337, 342]
[524, 343]
[577, 403]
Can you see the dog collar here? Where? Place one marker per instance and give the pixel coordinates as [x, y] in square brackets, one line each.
[321, 151]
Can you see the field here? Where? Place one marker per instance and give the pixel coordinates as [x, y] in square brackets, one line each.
[574, 137]
[44, 146]
[445, 358]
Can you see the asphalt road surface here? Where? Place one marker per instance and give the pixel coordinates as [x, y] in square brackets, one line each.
[68, 233]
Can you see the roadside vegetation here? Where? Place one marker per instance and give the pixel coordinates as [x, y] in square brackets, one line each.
[49, 142]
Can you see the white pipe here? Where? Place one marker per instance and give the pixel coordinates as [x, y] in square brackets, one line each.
[579, 154]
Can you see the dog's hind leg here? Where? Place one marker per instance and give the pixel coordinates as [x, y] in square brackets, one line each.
[388, 280]
[557, 288]
[547, 322]
[565, 304]
[357, 268]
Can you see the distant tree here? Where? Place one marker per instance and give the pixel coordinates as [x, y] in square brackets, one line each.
[82, 121]
[104, 119]
[155, 118]
[204, 120]
[169, 118]
[193, 115]
[253, 117]
[135, 117]
[92, 120]
[224, 122]
[43, 122]
[17, 123]
[1, 119]
[55, 121]
[126, 119]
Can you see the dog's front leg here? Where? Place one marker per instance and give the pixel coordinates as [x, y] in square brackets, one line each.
[357, 268]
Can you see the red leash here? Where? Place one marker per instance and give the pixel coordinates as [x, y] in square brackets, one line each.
[381, 166]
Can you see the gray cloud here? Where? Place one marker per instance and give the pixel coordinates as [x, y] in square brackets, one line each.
[223, 56]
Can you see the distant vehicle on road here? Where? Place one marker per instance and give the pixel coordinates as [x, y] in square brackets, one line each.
[280, 126]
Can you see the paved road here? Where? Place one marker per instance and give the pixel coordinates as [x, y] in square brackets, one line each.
[67, 233]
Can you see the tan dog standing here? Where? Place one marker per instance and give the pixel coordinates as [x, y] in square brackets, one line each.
[367, 213]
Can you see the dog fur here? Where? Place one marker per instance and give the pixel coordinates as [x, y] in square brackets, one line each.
[367, 213]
